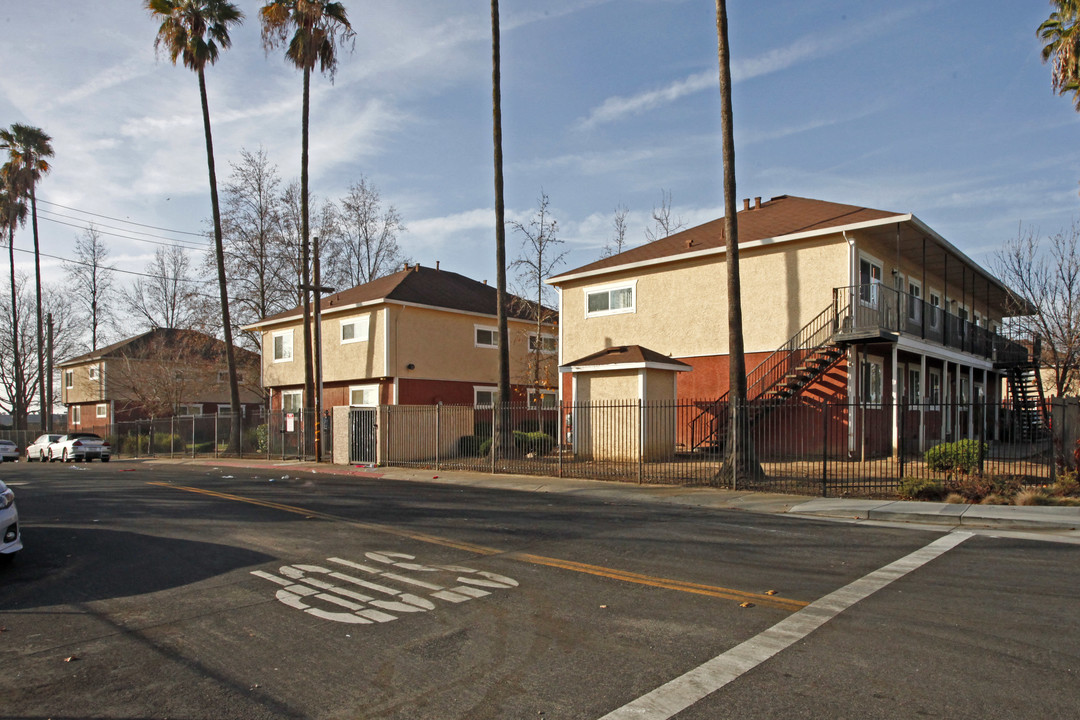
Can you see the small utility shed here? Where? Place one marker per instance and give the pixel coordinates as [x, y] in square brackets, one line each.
[624, 404]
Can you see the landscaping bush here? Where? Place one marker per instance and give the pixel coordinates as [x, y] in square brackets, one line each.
[469, 445]
[533, 442]
[1067, 485]
[913, 488]
[973, 488]
[961, 456]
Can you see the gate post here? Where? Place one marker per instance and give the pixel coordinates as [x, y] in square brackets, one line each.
[438, 431]
[825, 450]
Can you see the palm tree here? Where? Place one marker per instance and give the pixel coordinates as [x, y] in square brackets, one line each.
[739, 459]
[30, 149]
[195, 31]
[502, 438]
[13, 213]
[310, 31]
[1061, 34]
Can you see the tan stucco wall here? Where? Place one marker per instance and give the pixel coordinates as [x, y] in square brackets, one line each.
[83, 389]
[681, 308]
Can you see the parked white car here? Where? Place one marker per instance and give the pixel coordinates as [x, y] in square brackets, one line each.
[39, 449]
[79, 447]
[8, 451]
[10, 539]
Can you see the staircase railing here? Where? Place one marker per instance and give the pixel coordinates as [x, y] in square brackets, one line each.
[769, 372]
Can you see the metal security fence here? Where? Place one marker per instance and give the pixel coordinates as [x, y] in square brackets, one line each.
[804, 447]
[266, 434]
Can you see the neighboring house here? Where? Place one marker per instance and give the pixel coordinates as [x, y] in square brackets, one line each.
[840, 304]
[160, 373]
[420, 336]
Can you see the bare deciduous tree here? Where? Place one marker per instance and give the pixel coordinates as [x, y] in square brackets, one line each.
[167, 297]
[90, 280]
[617, 243]
[370, 234]
[1045, 274]
[540, 254]
[663, 223]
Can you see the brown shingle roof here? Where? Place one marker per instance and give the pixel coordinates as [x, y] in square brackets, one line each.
[783, 215]
[625, 355]
[422, 286]
[158, 338]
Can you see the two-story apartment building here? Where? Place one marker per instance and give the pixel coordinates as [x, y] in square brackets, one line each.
[840, 303]
[420, 336]
[159, 373]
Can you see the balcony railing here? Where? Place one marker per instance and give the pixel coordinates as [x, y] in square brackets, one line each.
[863, 310]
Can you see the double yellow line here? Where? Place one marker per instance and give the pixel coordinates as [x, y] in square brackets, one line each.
[740, 596]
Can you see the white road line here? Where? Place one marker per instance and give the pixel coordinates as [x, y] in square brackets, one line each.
[682, 692]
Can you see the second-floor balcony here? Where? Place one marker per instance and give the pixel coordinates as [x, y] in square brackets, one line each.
[875, 311]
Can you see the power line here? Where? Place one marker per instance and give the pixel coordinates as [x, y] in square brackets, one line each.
[175, 243]
[129, 222]
[49, 215]
[110, 268]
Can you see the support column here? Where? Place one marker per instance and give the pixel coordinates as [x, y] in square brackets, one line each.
[895, 401]
[924, 382]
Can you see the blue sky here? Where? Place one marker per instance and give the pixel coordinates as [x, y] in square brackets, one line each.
[940, 108]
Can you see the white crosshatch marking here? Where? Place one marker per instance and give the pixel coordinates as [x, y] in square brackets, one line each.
[349, 595]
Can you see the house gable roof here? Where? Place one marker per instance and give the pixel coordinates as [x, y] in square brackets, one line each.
[625, 357]
[140, 345]
[429, 287]
[781, 216]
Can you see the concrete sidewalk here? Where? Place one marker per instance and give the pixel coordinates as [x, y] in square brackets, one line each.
[1006, 517]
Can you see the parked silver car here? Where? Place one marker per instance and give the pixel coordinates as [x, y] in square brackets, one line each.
[10, 539]
[8, 451]
[39, 449]
[77, 447]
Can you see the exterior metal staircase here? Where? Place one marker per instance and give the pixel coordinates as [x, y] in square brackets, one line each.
[1029, 403]
[782, 375]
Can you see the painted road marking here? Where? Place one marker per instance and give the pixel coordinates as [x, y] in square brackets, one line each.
[302, 583]
[773, 601]
[675, 696]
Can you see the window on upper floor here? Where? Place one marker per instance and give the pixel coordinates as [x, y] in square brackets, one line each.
[546, 344]
[223, 376]
[95, 372]
[484, 336]
[611, 299]
[914, 301]
[354, 329]
[69, 379]
[283, 346]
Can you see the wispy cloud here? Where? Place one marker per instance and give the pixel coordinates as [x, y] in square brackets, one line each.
[806, 48]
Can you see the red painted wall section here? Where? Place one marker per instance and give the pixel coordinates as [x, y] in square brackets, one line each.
[709, 378]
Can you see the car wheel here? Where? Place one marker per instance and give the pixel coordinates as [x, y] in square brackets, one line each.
[105, 458]
[51, 458]
[65, 456]
[41, 456]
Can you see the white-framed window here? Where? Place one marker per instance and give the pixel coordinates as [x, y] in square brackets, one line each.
[547, 343]
[189, 409]
[914, 385]
[869, 279]
[933, 391]
[102, 410]
[546, 399]
[69, 379]
[76, 415]
[283, 346]
[485, 396]
[935, 308]
[95, 372]
[292, 400]
[611, 299]
[485, 336]
[965, 390]
[364, 395]
[914, 300]
[872, 380]
[355, 329]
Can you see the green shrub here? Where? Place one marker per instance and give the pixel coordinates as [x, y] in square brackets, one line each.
[485, 447]
[257, 437]
[973, 488]
[469, 445]
[961, 456]
[1066, 485]
[914, 488]
[533, 442]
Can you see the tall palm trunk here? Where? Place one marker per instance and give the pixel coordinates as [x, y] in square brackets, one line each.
[219, 250]
[46, 412]
[740, 461]
[502, 438]
[305, 247]
[18, 413]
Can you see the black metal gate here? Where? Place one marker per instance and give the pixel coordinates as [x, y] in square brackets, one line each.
[362, 437]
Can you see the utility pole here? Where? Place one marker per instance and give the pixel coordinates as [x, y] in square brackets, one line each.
[317, 289]
[49, 378]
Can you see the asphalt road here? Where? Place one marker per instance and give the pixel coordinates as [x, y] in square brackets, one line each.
[157, 591]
